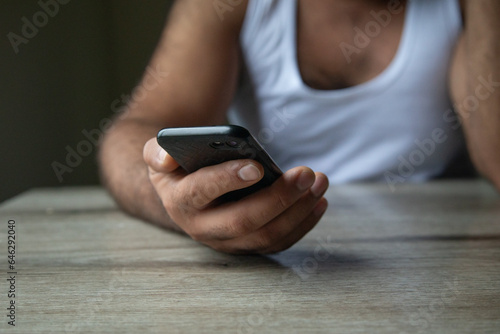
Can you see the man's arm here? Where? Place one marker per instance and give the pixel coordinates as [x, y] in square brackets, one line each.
[200, 51]
[475, 84]
[190, 81]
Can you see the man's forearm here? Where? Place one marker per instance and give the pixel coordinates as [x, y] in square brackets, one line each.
[477, 93]
[125, 174]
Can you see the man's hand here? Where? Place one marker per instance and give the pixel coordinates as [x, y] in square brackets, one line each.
[268, 221]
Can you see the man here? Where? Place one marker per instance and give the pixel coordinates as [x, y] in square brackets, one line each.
[321, 68]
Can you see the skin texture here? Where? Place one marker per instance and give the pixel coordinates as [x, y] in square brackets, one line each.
[476, 61]
[197, 65]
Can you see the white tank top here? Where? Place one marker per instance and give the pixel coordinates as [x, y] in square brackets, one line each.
[397, 125]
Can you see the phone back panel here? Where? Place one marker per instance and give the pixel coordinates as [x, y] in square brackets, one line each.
[197, 147]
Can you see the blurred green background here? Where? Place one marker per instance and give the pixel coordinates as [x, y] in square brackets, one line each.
[64, 67]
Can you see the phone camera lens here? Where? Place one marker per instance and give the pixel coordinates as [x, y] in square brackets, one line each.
[232, 143]
[217, 144]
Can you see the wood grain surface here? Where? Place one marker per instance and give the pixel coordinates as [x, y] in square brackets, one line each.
[422, 259]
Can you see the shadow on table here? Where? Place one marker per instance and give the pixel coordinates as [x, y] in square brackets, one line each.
[421, 238]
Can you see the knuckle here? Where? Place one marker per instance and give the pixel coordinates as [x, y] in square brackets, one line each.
[264, 240]
[239, 225]
[195, 193]
[282, 201]
[198, 195]
[224, 177]
[204, 191]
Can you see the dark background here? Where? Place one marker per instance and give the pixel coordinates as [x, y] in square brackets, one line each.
[64, 80]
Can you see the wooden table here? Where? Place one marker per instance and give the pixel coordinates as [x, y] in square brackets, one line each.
[425, 258]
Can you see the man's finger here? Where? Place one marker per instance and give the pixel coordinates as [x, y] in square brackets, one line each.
[157, 158]
[207, 184]
[289, 226]
[252, 212]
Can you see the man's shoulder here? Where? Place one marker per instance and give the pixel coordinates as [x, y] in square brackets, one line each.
[219, 14]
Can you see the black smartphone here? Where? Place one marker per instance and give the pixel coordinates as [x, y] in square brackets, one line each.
[197, 147]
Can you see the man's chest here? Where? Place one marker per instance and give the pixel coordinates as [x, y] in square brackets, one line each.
[342, 44]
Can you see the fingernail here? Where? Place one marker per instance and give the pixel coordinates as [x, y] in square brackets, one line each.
[249, 173]
[305, 181]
